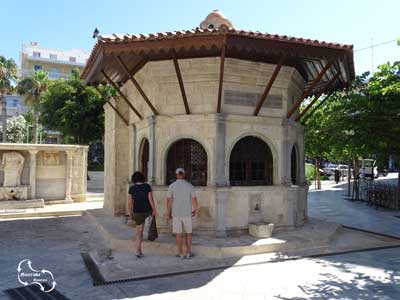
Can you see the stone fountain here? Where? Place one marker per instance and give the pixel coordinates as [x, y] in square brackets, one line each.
[33, 175]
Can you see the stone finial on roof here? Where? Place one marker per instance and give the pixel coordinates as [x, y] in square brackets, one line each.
[215, 20]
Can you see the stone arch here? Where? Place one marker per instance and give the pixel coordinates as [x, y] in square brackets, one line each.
[192, 155]
[271, 145]
[144, 155]
[257, 167]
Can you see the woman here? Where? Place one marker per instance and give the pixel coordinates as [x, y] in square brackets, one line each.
[140, 206]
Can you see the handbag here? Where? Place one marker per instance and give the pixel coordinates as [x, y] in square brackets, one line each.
[152, 233]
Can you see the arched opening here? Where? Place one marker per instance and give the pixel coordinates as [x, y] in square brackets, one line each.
[293, 165]
[190, 155]
[251, 163]
[144, 158]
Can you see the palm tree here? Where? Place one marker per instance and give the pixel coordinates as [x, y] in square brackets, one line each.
[33, 87]
[8, 74]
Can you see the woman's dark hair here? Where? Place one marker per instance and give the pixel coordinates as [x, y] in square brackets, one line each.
[138, 177]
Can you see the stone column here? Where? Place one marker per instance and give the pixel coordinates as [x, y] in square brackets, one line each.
[220, 178]
[152, 150]
[32, 173]
[285, 155]
[68, 179]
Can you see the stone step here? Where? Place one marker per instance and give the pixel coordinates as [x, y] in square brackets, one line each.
[41, 214]
[21, 204]
[314, 235]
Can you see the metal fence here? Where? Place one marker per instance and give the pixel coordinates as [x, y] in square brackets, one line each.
[381, 194]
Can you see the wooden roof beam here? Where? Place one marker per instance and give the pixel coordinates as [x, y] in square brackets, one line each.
[114, 108]
[124, 68]
[118, 113]
[221, 77]
[181, 86]
[308, 91]
[315, 108]
[316, 97]
[268, 87]
[114, 85]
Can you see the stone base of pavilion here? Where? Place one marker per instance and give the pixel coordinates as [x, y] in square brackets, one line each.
[315, 238]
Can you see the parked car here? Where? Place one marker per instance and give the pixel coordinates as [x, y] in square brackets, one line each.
[368, 168]
[344, 170]
[330, 169]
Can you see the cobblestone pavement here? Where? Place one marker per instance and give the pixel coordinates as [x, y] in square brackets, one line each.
[56, 243]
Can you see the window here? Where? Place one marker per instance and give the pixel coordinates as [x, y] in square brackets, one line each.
[51, 140]
[144, 157]
[293, 165]
[53, 56]
[72, 59]
[190, 155]
[53, 73]
[37, 67]
[15, 102]
[36, 54]
[251, 163]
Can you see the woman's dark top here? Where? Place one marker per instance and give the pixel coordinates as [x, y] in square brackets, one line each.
[140, 196]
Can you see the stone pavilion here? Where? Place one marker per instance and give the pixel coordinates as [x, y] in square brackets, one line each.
[222, 103]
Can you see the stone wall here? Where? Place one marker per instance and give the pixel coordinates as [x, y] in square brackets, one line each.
[52, 172]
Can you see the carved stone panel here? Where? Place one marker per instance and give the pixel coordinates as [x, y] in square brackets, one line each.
[12, 164]
[251, 99]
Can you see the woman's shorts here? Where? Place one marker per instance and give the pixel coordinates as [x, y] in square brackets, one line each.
[140, 218]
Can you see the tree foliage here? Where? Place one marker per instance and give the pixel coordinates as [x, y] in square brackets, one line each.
[361, 121]
[33, 87]
[16, 129]
[8, 76]
[75, 109]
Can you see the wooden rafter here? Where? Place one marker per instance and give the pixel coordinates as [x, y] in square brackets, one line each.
[118, 113]
[308, 91]
[121, 94]
[221, 76]
[268, 87]
[124, 68]
[316, 97]
[114, 108]
[181, 86]
[316, 107]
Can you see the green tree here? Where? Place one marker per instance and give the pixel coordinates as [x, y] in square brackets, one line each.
[361, 121]
[33, 88]
[8, 74]
[16, 129]
[75, 109]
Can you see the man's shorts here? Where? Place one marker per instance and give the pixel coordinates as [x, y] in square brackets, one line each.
[180, 225]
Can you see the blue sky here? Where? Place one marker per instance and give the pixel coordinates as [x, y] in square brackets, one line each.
[69, 24]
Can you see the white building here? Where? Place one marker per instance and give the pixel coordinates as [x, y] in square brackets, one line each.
[221, 103]
[58, 63]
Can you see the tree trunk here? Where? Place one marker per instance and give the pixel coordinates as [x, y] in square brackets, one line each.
[35, 131]
[356, 182]
[317, 175]
[398, 176]
[4, 116]
[348, 178]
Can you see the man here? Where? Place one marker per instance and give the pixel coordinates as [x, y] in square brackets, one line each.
[182, 206]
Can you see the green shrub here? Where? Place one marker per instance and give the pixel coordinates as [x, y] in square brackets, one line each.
[95, 166]
[310, 173]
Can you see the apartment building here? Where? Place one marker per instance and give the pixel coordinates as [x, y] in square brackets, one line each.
[58, 63]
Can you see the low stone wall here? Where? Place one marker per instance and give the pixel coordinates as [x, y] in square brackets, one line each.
[227, 210]
[50, 172]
